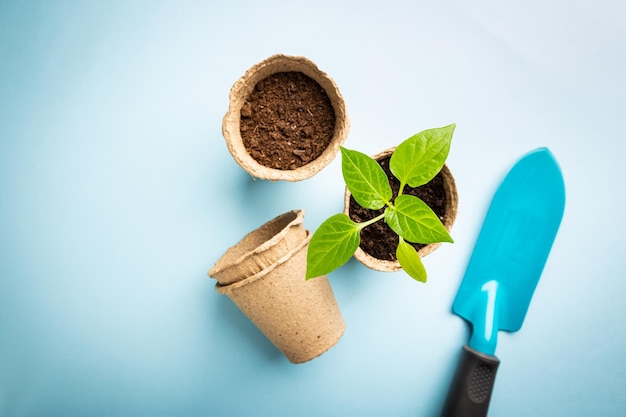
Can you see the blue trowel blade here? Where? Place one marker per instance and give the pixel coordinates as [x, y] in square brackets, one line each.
[512, 249]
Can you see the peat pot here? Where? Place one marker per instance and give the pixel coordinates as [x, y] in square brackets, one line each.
[440, 194]
[286, 119]
[264, 275]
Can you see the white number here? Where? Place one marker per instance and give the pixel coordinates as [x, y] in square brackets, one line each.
[491, 288]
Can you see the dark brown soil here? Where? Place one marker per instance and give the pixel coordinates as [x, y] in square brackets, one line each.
[378, 239]
[287, 121]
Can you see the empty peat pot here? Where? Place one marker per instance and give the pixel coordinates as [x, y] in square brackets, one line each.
[264, 275]
[286, 119]
[372, 251]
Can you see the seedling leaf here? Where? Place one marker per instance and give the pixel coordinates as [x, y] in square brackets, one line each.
[419, 158]
[332, 245]
[412, 219]
[365, 179]
[410, 261]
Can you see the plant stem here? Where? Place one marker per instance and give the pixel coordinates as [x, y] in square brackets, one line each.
[402, 185]
[367, 223]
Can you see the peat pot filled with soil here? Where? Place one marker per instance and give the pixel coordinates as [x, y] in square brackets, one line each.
[286, 119]
[377, 249]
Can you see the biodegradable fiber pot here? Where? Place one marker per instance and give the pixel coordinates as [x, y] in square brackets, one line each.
[444, 180]
[312, 163]
[264, 275]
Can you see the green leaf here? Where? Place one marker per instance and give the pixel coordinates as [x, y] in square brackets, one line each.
[419, 158]
[332, 245]
[412, 219]
[365, 179]
[410, 261]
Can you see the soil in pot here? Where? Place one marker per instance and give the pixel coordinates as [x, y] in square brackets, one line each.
[378, 240]
[287, 121]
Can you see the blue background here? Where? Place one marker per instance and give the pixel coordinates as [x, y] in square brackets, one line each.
[117, 194]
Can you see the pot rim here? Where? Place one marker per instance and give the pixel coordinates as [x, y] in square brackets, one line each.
[225, 289]
[297, 221]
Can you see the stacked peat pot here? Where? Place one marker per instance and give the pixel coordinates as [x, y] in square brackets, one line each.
[264, 274]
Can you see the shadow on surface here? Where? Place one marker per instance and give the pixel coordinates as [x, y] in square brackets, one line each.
[263, 199]
[253, 341]
[352, 281]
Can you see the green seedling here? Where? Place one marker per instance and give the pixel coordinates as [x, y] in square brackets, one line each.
[414, 162]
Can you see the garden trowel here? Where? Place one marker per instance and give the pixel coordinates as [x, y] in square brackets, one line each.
[503, 271]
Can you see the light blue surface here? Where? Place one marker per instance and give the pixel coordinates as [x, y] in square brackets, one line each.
[511, 249]
[117, 194]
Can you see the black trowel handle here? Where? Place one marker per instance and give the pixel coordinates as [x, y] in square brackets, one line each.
[471, 387]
